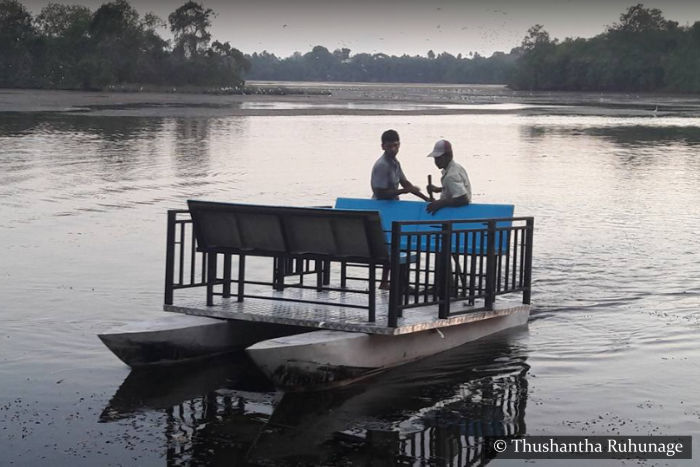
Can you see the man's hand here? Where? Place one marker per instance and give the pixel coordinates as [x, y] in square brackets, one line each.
[416, 191]
[435, 206]
[430, 188]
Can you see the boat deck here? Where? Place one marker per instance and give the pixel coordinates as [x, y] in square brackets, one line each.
[337, 315]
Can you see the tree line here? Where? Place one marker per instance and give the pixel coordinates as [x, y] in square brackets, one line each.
[642, 52]
[322, 65]
[72, 47]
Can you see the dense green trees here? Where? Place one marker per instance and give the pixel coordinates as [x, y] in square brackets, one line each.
[63, 46]
[322, 65]
[642, 52]
[17, 38]
[71, 47]
[190, 24]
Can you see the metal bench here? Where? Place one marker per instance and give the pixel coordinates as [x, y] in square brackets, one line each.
[286, 232]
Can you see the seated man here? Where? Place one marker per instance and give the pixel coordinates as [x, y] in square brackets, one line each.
[387, 173]
[385, 180]
[456, 189]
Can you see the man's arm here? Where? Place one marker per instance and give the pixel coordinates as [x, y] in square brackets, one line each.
[433, 189]
[410, 188]
[388, 193]
[435, 206]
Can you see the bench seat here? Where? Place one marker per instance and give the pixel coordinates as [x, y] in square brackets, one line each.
[322, 235]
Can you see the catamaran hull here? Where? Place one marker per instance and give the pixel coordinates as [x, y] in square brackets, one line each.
[325, 358]
[179, 337]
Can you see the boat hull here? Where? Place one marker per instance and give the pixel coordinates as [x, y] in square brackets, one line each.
[177, 338]
[326, 358]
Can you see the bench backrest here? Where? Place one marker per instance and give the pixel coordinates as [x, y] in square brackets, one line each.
[395, 210]
[273, 230]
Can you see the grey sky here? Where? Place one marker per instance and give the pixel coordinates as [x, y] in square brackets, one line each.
[397, 27]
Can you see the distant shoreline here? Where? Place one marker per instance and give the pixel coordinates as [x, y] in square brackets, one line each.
[301, 98]
[328, 98]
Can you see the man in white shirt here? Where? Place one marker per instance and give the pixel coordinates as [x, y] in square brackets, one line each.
[456, 189]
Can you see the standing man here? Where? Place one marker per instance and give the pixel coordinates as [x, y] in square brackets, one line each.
[456, 189]
[387, 173]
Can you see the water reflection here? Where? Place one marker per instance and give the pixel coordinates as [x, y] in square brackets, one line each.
[191, 154]
[645, 136]
[437, 410]
[165, 387]
[71, 163]
[13, 125]
[109, 128]
[626, 136]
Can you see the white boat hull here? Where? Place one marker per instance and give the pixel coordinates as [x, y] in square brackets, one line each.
[179, 337]
[323, 358]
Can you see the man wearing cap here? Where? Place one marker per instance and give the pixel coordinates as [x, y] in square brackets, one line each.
[456, 189]
[387, 173]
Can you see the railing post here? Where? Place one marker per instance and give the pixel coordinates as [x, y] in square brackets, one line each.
[319, 274]
[343, 274]
[326, 272]
[226, 293]
[170, 257]
[445, 271]
[279, 273]
[372, 305]
[211, 277]
[527, 277]
[241, 278]
[490, 295]
[395, 277]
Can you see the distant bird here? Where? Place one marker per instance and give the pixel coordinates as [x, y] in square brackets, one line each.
[655, 111]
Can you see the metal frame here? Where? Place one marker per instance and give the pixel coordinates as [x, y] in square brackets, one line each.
[448, 264]
[482, 268]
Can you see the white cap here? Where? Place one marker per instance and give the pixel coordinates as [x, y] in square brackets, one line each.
[441, 147]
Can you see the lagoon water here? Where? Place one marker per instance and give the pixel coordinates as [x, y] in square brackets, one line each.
[612, 348]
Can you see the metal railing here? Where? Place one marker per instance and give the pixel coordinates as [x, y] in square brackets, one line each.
[185, 267]
[432, 264]
[459, 261]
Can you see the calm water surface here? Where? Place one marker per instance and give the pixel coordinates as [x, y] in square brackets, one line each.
[613, 345]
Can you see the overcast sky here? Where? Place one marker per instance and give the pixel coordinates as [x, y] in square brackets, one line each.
[397, 27]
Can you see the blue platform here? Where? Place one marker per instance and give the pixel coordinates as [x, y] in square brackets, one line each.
[396, 210]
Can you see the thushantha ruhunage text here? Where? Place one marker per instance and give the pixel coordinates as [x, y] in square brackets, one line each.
[611, 446]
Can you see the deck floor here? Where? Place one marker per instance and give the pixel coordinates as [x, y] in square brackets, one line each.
[333, 313]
